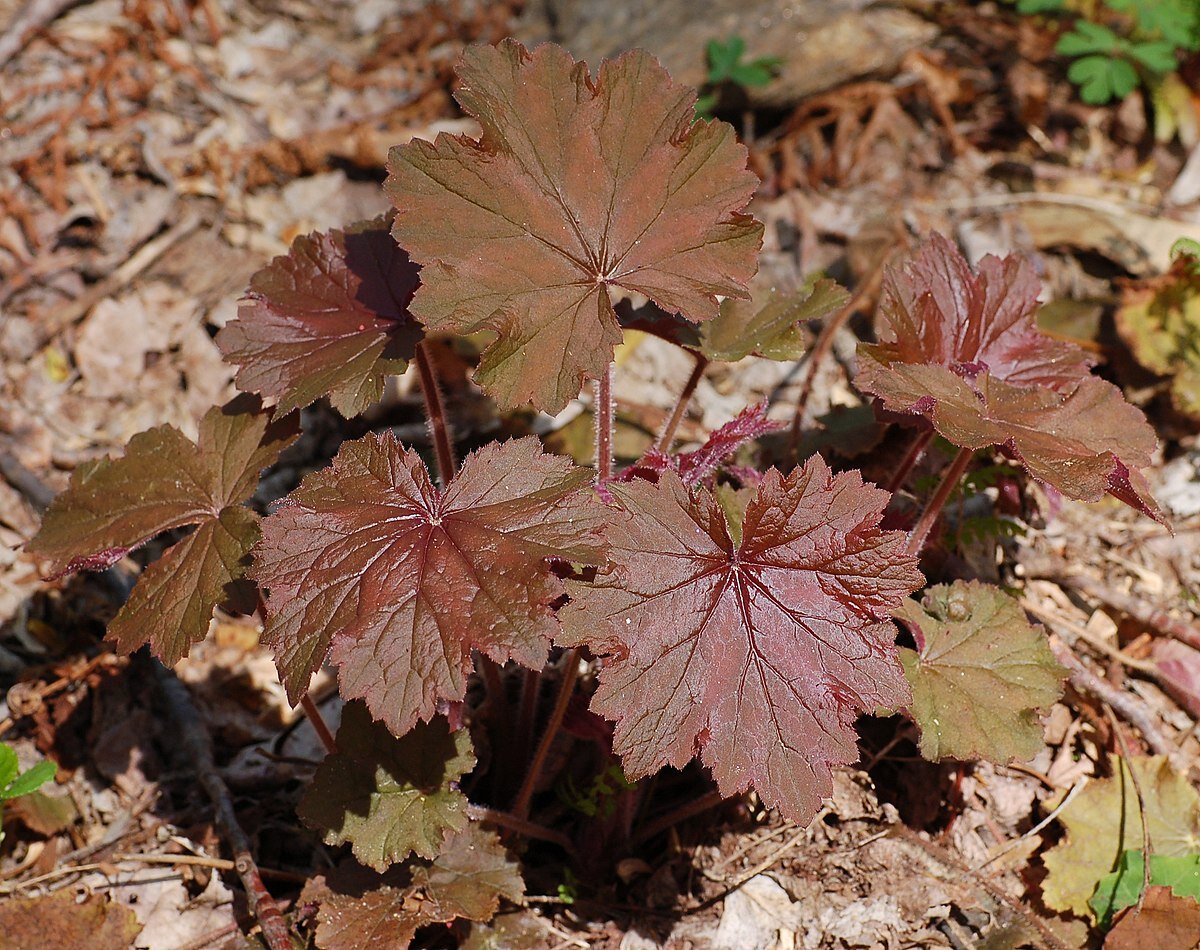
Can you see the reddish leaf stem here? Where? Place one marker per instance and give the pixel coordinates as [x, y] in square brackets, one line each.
[527, 714]
[435, 415]
[520, 826]
[950, 480]
[570, 673]
[911, 457]
[688, 809]
[320, 727]
[602, 408]
[824, 344]
[667, 436]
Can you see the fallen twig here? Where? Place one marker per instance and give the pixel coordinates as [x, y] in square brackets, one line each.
[1129, 708]
[196, 747]
[35, 15]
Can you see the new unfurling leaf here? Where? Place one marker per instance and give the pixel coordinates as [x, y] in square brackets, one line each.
[963, 349]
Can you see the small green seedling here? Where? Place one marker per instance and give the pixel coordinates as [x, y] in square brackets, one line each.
[14, 783]
[726, 68]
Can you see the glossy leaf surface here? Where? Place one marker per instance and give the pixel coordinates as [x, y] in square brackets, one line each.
[165, 481]
[757, 654]
[329, 318]
[389, 797]
[980, 675]
[580, 187]
[963, 349]
[405, 580]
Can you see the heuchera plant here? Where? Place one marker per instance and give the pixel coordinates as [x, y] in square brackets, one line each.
[738, 615]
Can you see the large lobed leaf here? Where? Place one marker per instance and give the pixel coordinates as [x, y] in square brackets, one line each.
[759, 654]
[405, 580]
[579, 187]
[963, 349]
[389, 797]
[1103, 822]
[165, 481]
[980, 676]
[329, 318]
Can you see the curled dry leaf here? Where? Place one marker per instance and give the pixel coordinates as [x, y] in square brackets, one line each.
[389, 797]
[980, 674]
[405, 580]
[329, 318]
[758, 653]
[165, 481]
[579, 187]
[963, 349]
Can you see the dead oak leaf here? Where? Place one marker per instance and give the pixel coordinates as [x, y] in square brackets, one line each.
[165, 481]
[328, 318]
[758, 653]
[578, 188]
[405, 580]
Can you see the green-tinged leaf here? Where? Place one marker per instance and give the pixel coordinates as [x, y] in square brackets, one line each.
[1157, 56]
[389, 797]
[768, 324]
[981, 675]
[1102, 79]
[1041, 6]
[165, 481]
[1088, 37]
[1159, 320]
[1121, 888]
[9, 766]
[723, 58]
[29, 781]
[1102, 822]
[469, 877]
[45, 814]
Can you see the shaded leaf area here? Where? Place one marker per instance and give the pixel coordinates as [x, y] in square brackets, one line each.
[767, 325]
[1122, 887]
[700, 464]
[757, 654]
[60, 920]
[165, 481]
[578, 187]
[389, 797]
[329, 318]
[980, 674]
[1103, 822]
[1164, 920]
[404, 580]
[962, 348]
[1159, 319]
[467, 880]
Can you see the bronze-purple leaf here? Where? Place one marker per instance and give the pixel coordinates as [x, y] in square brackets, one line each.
[963, 349]
[579, 187]
[757, 653]
[329, 318]
[404, 580]
[165, 481]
